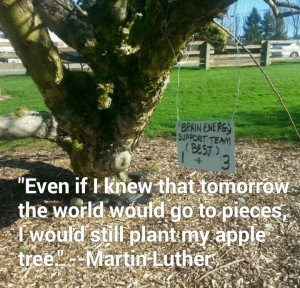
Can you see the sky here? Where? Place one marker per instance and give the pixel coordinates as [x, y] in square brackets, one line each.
[241, 10]
[245, 6]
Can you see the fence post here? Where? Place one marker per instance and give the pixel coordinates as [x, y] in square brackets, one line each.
[205, 54]
[265, 59]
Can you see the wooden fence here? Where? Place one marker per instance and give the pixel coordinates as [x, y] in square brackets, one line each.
[198, 53]
[202, 54]
[10, 60]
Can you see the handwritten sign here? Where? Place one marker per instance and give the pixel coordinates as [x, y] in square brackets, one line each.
[207, 145]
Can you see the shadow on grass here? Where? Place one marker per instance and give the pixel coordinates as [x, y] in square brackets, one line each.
[12, 193]
[274, 118]
[290, 61]
[272, 125]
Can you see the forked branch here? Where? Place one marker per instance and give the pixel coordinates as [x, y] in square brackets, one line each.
[289, 7]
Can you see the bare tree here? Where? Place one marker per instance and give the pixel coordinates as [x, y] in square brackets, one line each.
[296, 24]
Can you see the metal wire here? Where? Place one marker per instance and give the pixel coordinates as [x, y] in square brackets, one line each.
[266, 76]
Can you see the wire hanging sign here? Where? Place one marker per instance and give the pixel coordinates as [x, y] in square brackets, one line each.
[208, 145]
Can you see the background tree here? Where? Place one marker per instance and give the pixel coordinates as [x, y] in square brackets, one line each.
[253, 28]
[268, 25]
[296, 26]
[273, 28]
[280, 30]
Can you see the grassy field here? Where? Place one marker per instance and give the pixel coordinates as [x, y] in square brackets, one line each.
[212, 94]
[201, 95]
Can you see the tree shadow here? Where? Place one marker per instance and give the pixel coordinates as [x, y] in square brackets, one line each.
[270, 116]
[12, 193]
[260, 124]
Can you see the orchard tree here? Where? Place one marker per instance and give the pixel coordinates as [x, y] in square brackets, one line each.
[98, 117]
[130, 45]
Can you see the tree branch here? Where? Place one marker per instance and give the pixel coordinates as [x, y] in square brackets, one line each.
[72, 25]
[138, 5]
[82, 12]
[25, 124]
[107, 17]
[166, 26]
[32, 124]
[74, 58]
[62, 90]
[86, 5]
[287, 4]
[276, 5]
[31, 41]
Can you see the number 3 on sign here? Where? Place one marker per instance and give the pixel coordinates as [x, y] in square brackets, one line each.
[207, 145]
[226, 163]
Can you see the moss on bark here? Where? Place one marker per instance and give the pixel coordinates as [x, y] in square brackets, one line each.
[101, 115]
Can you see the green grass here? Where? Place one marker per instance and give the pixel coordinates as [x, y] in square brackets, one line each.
[202, 95]
[212, 94]
[23, 92]
[6, 145]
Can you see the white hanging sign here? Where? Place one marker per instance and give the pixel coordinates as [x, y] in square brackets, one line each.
[207, 145]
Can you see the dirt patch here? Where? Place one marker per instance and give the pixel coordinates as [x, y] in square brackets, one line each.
[273, 264]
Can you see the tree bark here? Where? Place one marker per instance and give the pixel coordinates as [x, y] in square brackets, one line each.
[129, 45]
[24, 124]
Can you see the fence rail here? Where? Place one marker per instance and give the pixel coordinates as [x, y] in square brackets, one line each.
[198, 53]
[202, 54]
